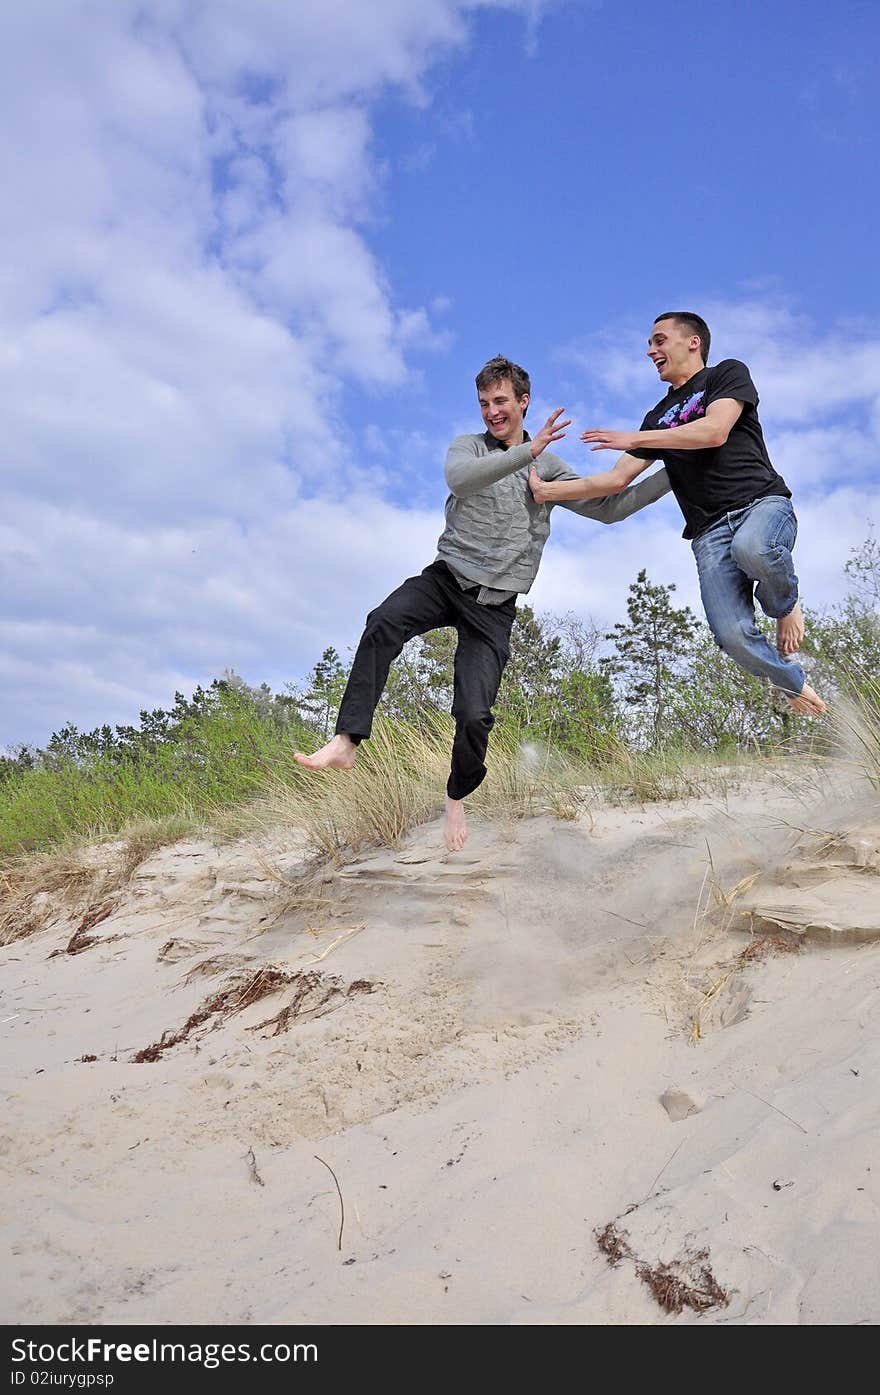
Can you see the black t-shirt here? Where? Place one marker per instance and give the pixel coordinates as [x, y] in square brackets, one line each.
[710, 483]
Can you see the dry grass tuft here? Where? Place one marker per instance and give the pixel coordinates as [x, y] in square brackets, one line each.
[758, 949]
[398, 783]
[855, 724]
[78, 881]
[37, 888]
[140, 840]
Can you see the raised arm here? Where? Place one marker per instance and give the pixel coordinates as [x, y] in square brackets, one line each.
[467, 471]
[711, 430]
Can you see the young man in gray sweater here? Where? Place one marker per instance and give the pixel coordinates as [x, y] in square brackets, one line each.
[488, 553]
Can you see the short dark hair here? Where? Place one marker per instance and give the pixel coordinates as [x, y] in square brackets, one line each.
[500, 367]
[695, 323]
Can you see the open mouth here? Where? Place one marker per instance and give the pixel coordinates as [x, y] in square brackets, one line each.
[659, 364]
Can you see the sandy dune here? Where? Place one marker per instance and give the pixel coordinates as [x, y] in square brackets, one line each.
[479, 1046]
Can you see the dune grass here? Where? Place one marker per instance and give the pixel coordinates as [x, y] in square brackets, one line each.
[398, 783]
[221, 759]
[231, 771]
[627, 774]
[75, 878]
[34, 885]
[73, 830]
[235, 771]
[400, 775]
[855, 723]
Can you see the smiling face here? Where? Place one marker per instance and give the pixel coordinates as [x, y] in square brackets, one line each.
[676, 353]
[503, 411]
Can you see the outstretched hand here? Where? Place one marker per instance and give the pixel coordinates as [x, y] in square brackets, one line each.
[600, 439]
[551, 431]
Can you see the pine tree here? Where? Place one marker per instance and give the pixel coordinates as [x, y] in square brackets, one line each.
[323, 693]
[531, 676]
[651, 650]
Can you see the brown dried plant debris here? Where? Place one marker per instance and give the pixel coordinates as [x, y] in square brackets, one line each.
[762, 946]
[233, 998]
[81, 939]
[242, 992]
[686, 1282]
[101, 911]
[255, 1175]
[613, 1243]
[78, 941]
[327, 994]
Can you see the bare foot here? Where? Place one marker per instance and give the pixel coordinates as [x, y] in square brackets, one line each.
[338, 754]
[455, 828]
[807, 702]
[790, 631]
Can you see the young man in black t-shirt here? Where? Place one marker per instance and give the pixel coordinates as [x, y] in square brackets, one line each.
[737, 508]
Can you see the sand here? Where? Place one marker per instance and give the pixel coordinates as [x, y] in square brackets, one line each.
[493, 1051]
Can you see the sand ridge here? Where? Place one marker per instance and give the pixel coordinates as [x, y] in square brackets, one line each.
[477, 1044]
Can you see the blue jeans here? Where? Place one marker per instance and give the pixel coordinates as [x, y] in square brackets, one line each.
[744, 557]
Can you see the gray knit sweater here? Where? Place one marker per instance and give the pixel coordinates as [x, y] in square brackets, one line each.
[495, 532]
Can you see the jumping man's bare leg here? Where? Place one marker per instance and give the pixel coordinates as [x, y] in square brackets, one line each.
[807, 702]
[339, 754]
[790, 631]
[455, 825]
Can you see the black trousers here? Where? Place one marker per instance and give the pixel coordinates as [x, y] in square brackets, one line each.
[428, 602]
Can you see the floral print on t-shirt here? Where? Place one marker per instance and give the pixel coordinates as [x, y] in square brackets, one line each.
[680, 412]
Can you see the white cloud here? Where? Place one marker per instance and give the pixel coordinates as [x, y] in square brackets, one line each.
[803, 371]
[144, 611]
[588, 566]
[820, 459]
[327, 152]
[188, 287]
[189, 291]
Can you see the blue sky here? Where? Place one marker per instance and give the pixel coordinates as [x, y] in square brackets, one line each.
[254, 254]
